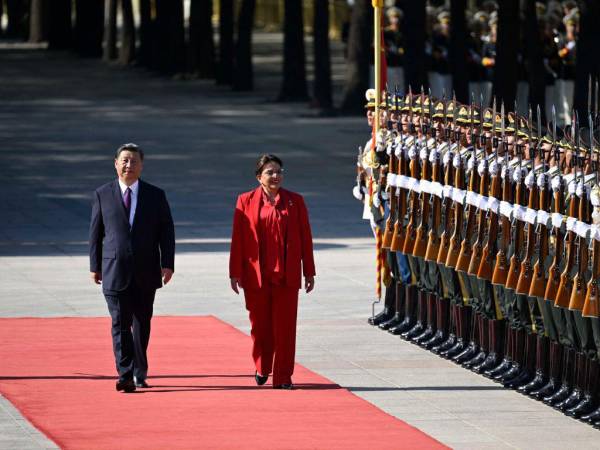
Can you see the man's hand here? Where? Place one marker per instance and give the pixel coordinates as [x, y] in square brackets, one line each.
[167, 274]
[96, 277]
[309, 284]
[235, 284]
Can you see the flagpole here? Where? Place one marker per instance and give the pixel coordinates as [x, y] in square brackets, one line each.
[377, 7]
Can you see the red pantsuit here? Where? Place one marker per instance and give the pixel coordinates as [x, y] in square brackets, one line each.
[273, 310]
[271, 246]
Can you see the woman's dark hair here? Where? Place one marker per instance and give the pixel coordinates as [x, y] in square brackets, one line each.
[266, 159]
[130, 147]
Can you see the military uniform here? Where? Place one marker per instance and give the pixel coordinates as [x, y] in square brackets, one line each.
[467, 309]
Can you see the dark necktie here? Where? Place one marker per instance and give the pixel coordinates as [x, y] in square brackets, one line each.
[127, 202]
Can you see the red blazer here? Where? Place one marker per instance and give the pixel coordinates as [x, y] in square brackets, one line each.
[243, 257]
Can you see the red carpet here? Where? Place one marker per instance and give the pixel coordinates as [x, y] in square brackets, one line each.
[60, 374]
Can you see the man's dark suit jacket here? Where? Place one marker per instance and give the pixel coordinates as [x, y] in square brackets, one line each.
[122, 254]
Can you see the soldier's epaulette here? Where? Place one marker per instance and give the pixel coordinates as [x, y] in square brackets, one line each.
[589, 179]
[443, 147]
[524, 163]
[569, 178]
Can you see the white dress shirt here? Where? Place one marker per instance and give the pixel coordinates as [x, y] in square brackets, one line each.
[134, 197]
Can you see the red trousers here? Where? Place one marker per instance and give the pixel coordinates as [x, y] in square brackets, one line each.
[273, 311]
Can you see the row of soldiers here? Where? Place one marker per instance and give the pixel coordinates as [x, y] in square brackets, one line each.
[487, 243]
[558, 30]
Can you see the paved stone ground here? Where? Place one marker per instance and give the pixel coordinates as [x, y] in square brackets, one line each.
[60, 120]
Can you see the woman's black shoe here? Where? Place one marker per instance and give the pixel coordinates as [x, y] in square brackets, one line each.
[260, 380]
[287, 386]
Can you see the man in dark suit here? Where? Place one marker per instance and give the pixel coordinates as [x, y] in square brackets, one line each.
[132, 253]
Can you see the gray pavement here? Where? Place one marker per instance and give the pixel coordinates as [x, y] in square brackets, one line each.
[60, 120]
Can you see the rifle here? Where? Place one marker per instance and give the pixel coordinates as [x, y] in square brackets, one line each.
[563, 295]
[433, 243]
[501, 268]
[484, 187]
[459, 183]
[559, 207]
[596, 103]
[420, 247]
[413, 212]
[518, 229]
[397, 242]
[464, 257]
[526, 273]
[389, 224]
[578, 293]
[485, 270]
[539, 281]
[447, 202]
[590, 305]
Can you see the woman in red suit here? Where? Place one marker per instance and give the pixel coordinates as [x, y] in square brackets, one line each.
[271, 246]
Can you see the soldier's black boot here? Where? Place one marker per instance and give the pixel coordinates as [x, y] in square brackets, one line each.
[419, 326]
[541, 367]
[484, 344]
[553, 384]
[507, 361]
[462, 316]
[431, 321]
[565, 388]
[496, 330]
[388, 310]
[576, 394]
[588, 402]
[400, 306]
[527, 370]
[594, 416]
[452, 331]
[442, 318]
[518, 357]
[472, 348]
[462, 337]
[410, 311]
[390, 299]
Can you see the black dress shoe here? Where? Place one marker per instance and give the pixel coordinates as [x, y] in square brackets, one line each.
[448, 343]
[491, 361]
[141, 383]
[394, 320]
[592, 417]
[125, 386]
[584, 407]
[260, 379]
[383, 316]
[538, 382]
[286, 386]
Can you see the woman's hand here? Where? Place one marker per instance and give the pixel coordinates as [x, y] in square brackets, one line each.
[235, 284]
[309, 284]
